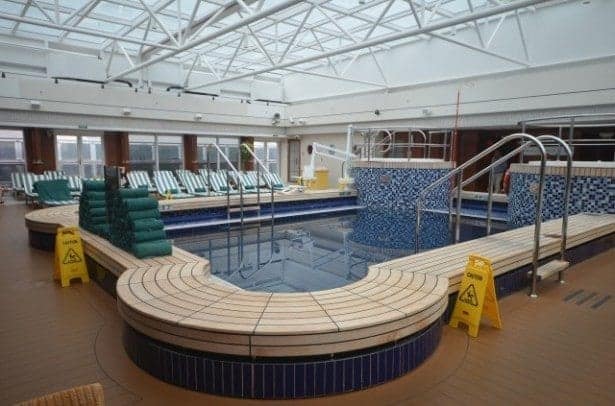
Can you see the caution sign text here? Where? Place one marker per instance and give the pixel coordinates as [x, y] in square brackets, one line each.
[476, 295]
[69, 259]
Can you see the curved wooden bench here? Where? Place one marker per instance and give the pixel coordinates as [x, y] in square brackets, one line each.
[174, 299]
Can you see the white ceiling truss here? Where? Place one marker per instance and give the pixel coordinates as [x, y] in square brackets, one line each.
[238, 39]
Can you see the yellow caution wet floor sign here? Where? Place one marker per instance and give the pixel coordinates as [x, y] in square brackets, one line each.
[476, 295]
[69, 259]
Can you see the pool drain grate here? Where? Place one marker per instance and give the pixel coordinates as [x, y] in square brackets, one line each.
[583, 297]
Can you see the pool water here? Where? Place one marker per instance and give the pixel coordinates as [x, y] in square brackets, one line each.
[319, 254]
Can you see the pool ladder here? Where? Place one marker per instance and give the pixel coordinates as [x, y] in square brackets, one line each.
[456, 175]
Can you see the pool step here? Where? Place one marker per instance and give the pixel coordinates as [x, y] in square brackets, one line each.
[259, 218]
[245, 208]
[551, 268]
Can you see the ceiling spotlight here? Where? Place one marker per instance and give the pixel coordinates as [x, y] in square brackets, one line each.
[377, 112]
[126, 111]
[198, 116]
[35, 104]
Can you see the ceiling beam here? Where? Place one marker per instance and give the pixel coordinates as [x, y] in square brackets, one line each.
[189, 45]
[86, 31]
[387, 38]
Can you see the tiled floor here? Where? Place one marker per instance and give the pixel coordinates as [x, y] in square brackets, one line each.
[551, 350]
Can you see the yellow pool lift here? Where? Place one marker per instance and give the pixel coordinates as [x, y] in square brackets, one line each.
[318, 178]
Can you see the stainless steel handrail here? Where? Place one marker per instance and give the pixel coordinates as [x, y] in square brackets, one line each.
[411, 144]
[369, 146]
[259, 165]
[567, 190]
[458, 172]
[228, 186]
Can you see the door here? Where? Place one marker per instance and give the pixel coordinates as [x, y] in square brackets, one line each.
[294, 160]
[80, 155]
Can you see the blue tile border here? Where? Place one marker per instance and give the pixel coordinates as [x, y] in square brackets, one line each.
[594, 194]
[286, 378]
[398, 188]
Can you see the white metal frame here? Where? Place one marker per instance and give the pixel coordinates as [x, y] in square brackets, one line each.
[238, 39]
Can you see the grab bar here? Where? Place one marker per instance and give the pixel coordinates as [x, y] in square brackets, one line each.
[458, 172]
[228, 186]
[258, 179]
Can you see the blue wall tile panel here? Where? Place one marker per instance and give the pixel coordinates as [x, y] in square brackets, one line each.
[385, 230]
[588, 194]
[398, 188]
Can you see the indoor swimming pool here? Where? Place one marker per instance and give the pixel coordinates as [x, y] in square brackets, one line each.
[314, 255]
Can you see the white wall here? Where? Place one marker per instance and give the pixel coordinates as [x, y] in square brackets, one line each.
[500, 99]
[72, 105]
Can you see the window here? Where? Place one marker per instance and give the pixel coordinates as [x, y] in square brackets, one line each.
[80, 155]
[12, 157]
[268, 153]
[155, 152]
[170, 152]
[209, 156]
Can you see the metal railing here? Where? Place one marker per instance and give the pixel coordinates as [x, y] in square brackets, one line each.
[458, 173]
[240, 185]
[259, 165]
[371, 146]
[572, 122]
[566, 204]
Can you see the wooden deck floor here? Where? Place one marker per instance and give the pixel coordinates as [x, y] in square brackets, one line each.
[550, 350]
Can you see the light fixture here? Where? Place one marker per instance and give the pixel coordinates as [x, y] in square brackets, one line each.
[35, 104]
[126, 111]
[198, 116]
[427, 112]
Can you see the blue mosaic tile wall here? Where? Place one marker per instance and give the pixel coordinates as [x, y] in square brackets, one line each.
[398, 188]
[588, 194]
[395, 230]
[291, 378]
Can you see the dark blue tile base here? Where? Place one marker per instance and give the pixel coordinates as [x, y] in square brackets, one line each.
[287, 378]
[42, 241]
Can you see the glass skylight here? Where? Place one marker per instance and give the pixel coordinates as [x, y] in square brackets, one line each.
[303, 29]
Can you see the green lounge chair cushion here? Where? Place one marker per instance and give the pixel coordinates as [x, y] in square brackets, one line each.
[152, 249]
[147, 225]
[144, 236]
[140, 203]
